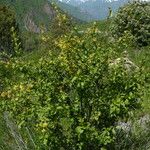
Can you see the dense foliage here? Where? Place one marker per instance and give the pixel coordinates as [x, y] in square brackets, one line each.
[134, 18]
[8, 30]
[62, 24]
[32, 10]
[74, 99]
[77, 93]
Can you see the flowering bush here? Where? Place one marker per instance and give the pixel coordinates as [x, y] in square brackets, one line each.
[73, 100]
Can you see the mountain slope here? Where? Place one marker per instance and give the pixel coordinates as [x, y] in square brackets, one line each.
[31, 14]
[74, 11]
[73, 2]
[98, 9]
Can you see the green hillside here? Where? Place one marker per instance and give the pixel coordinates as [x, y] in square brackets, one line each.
[75, 11]
[31, 14]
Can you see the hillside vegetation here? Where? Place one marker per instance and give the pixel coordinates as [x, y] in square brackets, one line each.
[75, 11]
[81, 88]
[32, 15]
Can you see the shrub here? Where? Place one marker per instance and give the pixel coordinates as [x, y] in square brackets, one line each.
[74, 99]
[134, 17]
[61, 24]
[9, 30]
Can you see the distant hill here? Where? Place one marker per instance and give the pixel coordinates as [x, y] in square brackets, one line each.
[75, 11]
[98, 9]
[73, 2]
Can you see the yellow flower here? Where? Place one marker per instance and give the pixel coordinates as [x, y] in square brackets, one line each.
[44, 39]
[44, 125]
[9, 94]
[15, 87]
[3, 94]
[64, 17]
[43, 130]
[21, 87]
